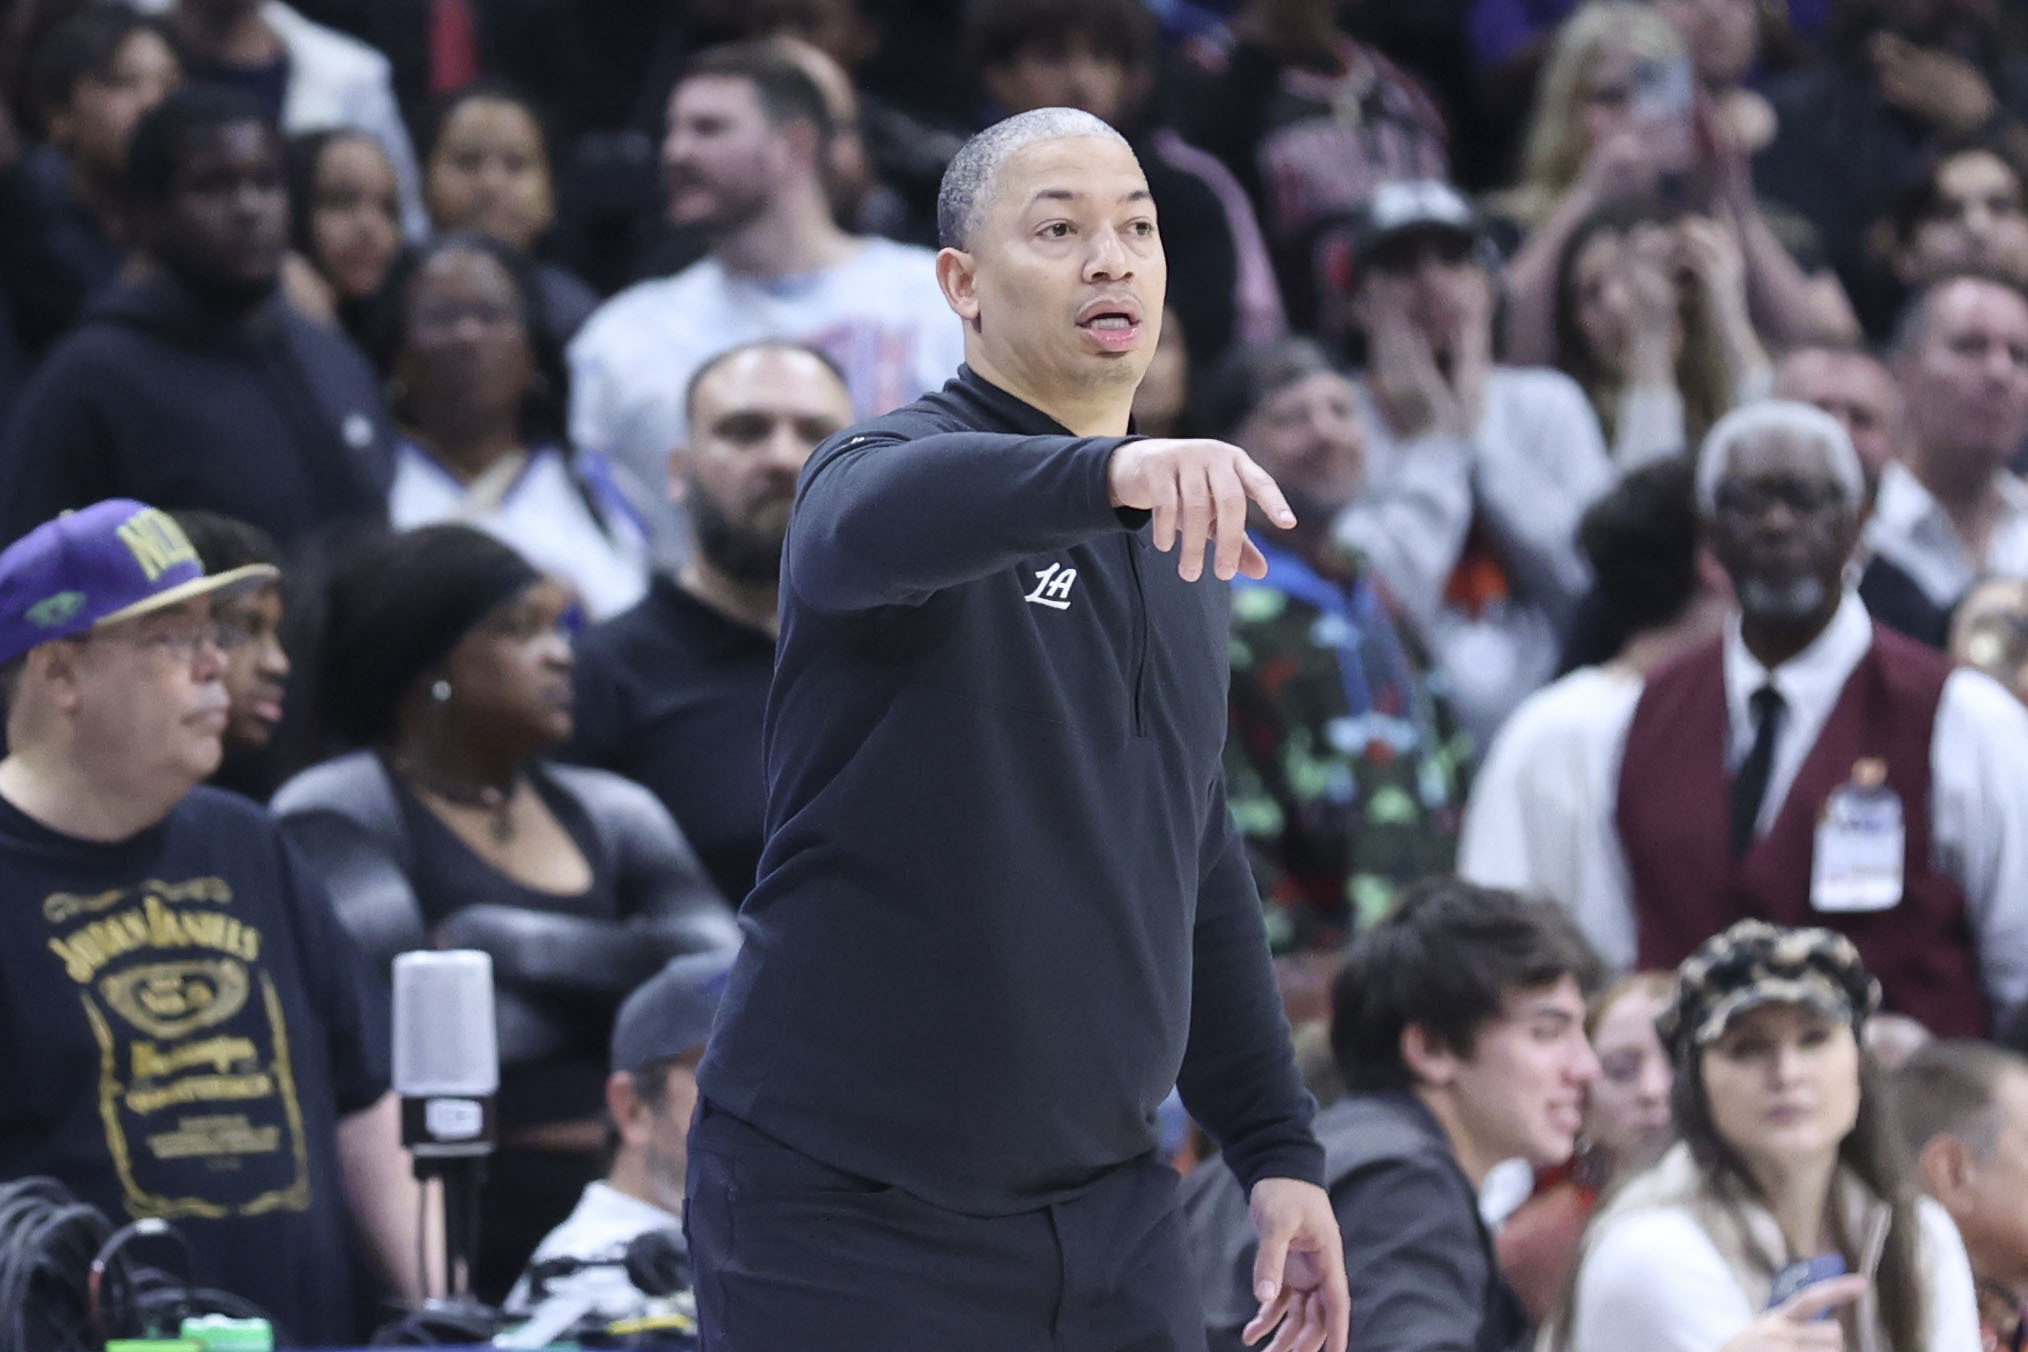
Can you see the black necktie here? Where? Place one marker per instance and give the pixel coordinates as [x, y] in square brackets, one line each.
[1749, 786]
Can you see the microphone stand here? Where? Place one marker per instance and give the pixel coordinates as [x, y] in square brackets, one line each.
[462, 1176]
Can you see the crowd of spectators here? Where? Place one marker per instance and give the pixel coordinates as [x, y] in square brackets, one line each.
[1649, 379]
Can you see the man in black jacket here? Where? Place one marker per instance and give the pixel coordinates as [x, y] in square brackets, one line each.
[1002, 908]
[197, 386]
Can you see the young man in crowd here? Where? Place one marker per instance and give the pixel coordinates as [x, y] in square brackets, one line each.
[306, 77]
[256, 664]
[1963, 1108]
[745, 161]
[197, 383]
[184, 1023]
[63, 219]
[672, 693]
[658, 1039]
[1458, 1023]
[1894, 83]
[1953, 509]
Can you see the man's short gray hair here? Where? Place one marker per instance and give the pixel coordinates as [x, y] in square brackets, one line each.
[1805, 421]
[969, 182]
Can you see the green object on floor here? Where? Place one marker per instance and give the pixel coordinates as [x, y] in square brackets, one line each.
[218, 1333]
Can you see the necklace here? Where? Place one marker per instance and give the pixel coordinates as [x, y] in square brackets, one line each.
[493, 798]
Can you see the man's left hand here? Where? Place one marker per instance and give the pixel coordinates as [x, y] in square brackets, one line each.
[1299, 1275]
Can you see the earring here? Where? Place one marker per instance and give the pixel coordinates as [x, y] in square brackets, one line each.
[441, 691]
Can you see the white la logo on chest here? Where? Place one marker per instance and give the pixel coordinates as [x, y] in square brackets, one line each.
[1052, 587]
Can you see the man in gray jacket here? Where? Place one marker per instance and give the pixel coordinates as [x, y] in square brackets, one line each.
[1458, 1023]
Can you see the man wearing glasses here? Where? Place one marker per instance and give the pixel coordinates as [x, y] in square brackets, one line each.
[182, 1025]
[1476, 474]
[1810, 768]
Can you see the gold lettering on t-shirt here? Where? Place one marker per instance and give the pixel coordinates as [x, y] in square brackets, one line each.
[153, 1062]
[197, 1089]
[229, 1069]
[153, 924]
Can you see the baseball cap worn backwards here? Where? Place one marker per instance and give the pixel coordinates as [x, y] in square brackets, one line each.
[101, 564]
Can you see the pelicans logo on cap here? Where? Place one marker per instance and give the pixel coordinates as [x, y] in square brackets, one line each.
[156, 542]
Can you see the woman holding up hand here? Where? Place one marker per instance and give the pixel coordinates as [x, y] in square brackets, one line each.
[1651, 319]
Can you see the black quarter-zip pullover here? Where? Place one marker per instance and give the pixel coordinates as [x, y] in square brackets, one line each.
[1002, 908]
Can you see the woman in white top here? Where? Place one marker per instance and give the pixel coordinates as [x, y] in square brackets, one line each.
[479, 392]
[1783, 1220]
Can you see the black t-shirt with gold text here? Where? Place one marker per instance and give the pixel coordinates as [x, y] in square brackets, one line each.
[181, 1027]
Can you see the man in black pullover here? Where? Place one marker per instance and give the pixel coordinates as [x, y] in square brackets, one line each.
[1002, 909]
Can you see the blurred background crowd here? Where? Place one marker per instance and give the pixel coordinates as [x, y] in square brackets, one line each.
[1650, 377]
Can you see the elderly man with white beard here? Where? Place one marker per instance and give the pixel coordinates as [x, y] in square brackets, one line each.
[1808, 767]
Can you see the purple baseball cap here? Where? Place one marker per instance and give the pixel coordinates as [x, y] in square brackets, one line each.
[100, 564]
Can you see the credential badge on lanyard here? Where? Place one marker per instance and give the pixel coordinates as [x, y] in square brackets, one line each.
[1861, 844]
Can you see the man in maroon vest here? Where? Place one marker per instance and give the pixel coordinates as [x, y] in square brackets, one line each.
[1810, 768]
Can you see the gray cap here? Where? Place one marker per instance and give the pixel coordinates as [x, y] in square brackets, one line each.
[670, 1014]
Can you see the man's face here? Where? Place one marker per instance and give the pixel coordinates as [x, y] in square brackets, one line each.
[104, 107]
[1311, 437]
[1064, 284]
[1783, 528]
[1853, 388]
[1976, 222]
[256, 668]
[1994, 1218]
[755, 420]
[1966, 381]
[148, 694]
[722, 158]
[1073, 75]
[1520, 1094]
[1434, 279]
[225, 225]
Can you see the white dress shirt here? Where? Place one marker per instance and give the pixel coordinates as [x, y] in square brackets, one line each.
[1978, 794]
[1529, 823]
[1910, 528]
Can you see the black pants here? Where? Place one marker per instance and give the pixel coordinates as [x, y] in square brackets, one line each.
[792, 1256]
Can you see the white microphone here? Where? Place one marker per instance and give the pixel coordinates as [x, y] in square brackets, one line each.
[446, 1054]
